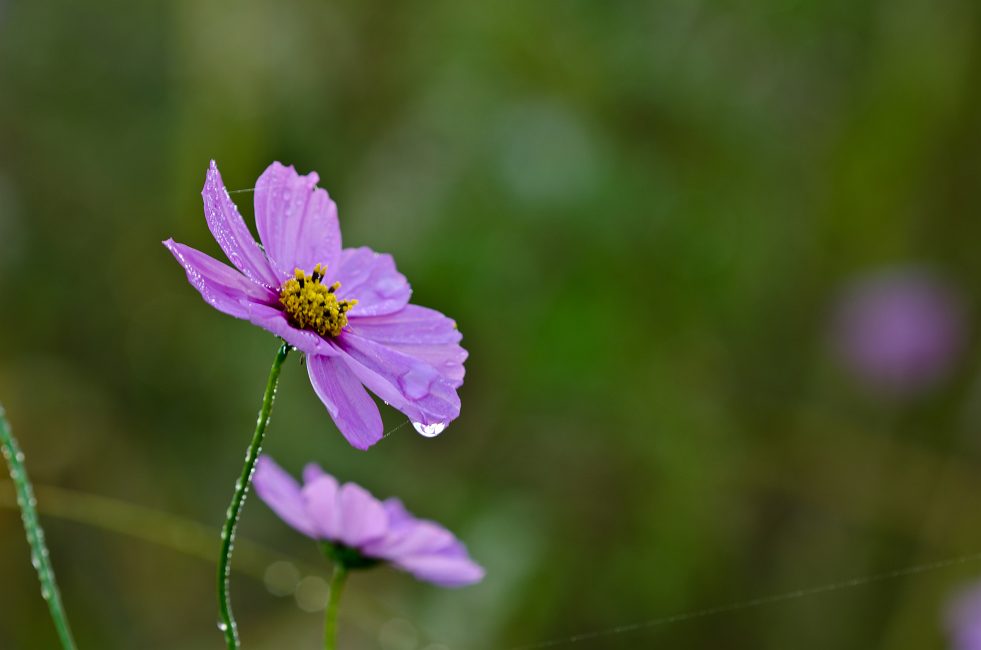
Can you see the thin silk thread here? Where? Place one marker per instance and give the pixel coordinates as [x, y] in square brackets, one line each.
[756, 602]
[394, 429]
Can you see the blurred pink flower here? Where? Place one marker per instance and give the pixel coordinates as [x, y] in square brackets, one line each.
[899, 331]
[361, 530]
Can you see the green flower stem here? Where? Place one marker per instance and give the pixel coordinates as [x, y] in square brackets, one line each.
[227, 624]
[35, 534]
[333, 606]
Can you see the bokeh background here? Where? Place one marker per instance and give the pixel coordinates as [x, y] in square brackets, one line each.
[643, 216]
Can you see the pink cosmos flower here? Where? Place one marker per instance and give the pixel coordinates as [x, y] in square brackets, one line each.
[360, 529]
[347, 309]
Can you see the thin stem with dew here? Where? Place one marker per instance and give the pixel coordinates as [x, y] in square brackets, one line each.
[35, 534]
[227, 623]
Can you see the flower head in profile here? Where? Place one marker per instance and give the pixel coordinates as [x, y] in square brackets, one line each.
[963, 619]
[347, 309]
[360, 530]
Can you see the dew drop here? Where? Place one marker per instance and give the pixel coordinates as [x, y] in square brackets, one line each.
[222, 626]
[429, 430]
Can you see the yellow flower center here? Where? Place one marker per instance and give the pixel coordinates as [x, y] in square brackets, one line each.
[313, 306]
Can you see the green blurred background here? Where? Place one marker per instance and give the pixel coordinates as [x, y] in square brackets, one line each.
[639, 213]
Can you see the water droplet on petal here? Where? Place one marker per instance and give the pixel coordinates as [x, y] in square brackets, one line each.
[429, 430]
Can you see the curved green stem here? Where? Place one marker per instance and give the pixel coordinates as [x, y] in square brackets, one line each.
[333, 606]
[227, 624]
[35, 534]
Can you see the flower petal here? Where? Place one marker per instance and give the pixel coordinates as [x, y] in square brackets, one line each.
[297, 221]
[312, 471]
[397, 514]
[415, 538]
[231, 233]
[282, 494]
[363, 517]
[353, 410]
[323, 507]
[445, 570]
[274, 320]
[373, 280]
[221, 286]
[418, 332]
[410, 385]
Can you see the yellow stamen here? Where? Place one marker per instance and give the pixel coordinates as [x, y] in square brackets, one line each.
[311, 305]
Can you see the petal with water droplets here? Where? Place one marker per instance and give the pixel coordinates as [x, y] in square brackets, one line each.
[231, 233]
[350, 406]
[221, 286]
[373, 280]
[418, 332]
[410, 385]
[297, 221]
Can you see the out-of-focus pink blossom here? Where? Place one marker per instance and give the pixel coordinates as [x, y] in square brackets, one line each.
[899, 331]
